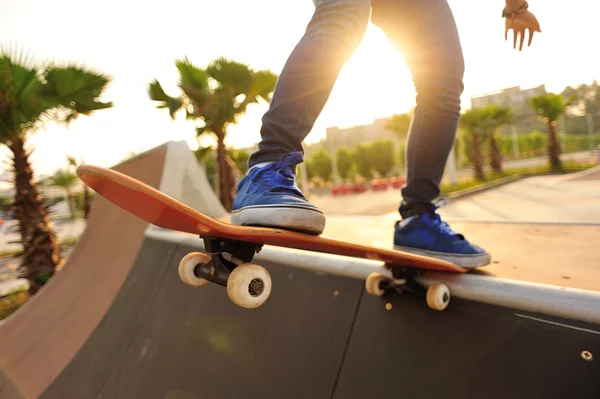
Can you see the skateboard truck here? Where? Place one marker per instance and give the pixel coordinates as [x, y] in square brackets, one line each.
[437, 295]
[248, 285]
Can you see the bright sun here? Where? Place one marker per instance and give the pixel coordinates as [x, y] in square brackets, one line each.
[374, 83]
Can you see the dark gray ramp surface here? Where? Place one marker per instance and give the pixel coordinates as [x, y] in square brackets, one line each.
[318, 336]
[469, 351]
[164, 339]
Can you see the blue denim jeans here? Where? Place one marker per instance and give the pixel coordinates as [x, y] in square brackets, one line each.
[426, 32]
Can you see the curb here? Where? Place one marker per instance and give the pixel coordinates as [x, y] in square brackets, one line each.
[505, 180]
[484, 187]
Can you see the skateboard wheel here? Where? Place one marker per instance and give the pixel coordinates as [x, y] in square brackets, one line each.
[438, 296]
[249, 286]
[373, 284]
[187, 265]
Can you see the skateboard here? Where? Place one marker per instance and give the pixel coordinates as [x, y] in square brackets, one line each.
[230, 248]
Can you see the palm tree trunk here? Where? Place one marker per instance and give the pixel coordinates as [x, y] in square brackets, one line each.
[226, 181]
[41, 252]
[86, 201]
[553, 148]
[477, 158]
[72, 207]
[495, 156]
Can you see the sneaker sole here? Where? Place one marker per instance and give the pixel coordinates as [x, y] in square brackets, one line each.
[302, 220]
[466, 261]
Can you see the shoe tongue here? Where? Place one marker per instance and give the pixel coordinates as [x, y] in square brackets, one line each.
[285, 172]
[436, 219]
[286, 167]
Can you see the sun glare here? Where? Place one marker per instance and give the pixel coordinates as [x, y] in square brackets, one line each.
[374, 83]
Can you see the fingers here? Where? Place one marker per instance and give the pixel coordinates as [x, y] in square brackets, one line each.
[531, 32]
[520, 35]
[522, 40]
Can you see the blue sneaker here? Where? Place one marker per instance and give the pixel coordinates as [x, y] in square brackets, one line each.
[428, 235]
[268, 196]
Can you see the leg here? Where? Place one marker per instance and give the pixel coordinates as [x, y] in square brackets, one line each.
[268, 195]
[332, 36]
[427, 33]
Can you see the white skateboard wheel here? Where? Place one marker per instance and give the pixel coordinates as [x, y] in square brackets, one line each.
[438, 296]
[249, 286]
[373, 284]
[187, 265]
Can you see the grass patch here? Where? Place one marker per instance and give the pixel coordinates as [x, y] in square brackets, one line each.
[568, 167]
[68, 242]
[10, 303]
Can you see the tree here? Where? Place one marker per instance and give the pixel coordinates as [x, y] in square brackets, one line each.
[86, 190]
[66, 180]
[321, 161]
[361, 157]
[241, 159]
[382, 156]
[583, 99]
[494, 117]
[550, 108]
[29, 97]
[344, 162]
[400, 124]
[216, 95]
[473, 123]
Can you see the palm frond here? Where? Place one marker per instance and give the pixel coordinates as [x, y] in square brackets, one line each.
[191, 76]
[156, 93]
[231, 74]
[548, 107]
[63, 179]
[21, 103]
[75, 88]
[264, 84]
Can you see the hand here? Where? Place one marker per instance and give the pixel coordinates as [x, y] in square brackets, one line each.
[519, 24]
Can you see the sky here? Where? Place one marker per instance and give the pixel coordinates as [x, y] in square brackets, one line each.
[138, 41]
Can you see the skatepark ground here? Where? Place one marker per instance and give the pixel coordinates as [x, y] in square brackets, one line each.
[117, 322]
[543, 229]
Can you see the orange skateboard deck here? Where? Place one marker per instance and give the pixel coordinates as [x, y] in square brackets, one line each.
[242, 242]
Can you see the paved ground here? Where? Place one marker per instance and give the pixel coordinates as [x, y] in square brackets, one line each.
[562, 255]
[64, 229]
[541, 229]
[547, 199]
[9, 265]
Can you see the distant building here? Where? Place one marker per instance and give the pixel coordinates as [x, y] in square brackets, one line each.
[349, 137]
[513, 97]
[518, 100]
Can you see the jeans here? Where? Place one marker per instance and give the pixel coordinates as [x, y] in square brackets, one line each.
[426, 32]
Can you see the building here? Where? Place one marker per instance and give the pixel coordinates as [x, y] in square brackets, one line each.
[349, 137]
[513, 97]
[518, 100]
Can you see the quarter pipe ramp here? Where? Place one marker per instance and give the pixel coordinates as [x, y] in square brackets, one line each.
[117, 322]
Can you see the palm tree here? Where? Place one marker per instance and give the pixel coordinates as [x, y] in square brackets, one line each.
[496, 117]
[216, 95]
[86, 190]
[66, 180]
[473, 121]
[29, 97]
[550, 108]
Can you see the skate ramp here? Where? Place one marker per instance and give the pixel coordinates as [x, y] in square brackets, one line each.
[39, 340]
[117, 322]
[320, 336]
